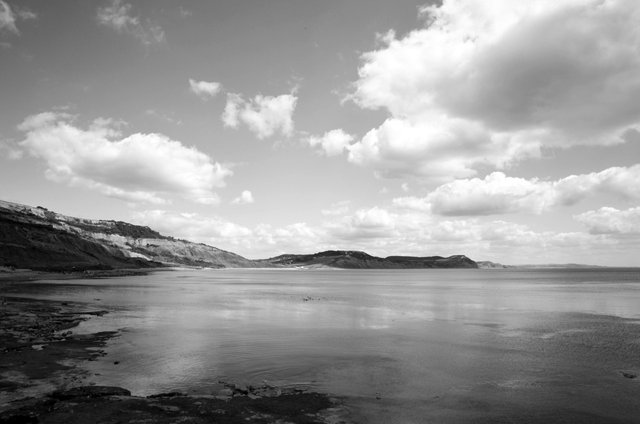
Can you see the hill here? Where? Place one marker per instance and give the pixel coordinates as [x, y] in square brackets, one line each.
[39, 239]
[361, 260]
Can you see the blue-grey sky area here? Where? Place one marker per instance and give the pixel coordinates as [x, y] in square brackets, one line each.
[503, 130]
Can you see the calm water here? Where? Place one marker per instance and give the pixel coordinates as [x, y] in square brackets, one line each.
[409, 346]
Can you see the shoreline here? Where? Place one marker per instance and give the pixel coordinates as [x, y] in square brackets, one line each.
[42, 378]
[21, 275]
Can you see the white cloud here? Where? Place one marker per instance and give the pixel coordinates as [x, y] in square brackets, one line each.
[338, 208]
[263, 115]
[436, 149]
[611, 221]
[117, 16]
[381, 232]
[190, 226]
[139, 167]
[488, 83]
[230, 116]
[413, 203]
[372, 223]
[495, 194]
[7, 18]
[620, 181]
[204, 89]
[245, 198]
[9, 150]
[259, 242]
[332, 143]
[298, 237]
[10, 15]
[500, 194]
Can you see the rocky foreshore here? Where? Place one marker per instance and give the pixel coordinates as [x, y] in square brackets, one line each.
[41, 380]
[104, 404]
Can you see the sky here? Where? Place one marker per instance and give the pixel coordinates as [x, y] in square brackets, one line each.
[504, 130]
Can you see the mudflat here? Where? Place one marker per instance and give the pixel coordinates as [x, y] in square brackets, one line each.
[41, 379]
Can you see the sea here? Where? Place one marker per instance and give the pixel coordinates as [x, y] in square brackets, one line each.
[394, 346]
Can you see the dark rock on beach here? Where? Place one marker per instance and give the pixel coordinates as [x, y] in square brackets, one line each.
[112, 405]
[90, 392]
[38, 348]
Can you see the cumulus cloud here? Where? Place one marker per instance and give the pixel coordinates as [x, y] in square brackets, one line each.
[204, 89]
[245, 198]
[500, 194]
[437, 149]
[382, 232]
[10, 15]
[263, 115]
[138, 168]
[262, 241]
[489, 83]
[10, 150]
[297, 237]
[332, 143]
[372, 223]
[117, 16]
[191, 226]
[611, 221]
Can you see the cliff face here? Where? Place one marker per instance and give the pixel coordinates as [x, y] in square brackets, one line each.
[362, 260]
[36, 238]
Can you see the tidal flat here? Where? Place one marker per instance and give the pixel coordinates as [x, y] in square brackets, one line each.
[405, 346]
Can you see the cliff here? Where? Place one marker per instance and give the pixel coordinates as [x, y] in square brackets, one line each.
[39, 239]
[36, 238]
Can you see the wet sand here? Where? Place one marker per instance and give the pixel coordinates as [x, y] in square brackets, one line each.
[10, 275]
[41, 379]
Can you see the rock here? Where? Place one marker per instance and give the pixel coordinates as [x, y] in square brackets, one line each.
[241, 390]
[165, 395]
[168, 408]
[19, 419]
[225, 393]
[91, 392]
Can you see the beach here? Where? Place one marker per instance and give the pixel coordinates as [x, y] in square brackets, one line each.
[41, 378]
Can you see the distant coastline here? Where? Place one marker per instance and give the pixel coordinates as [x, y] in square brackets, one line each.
[38, 239]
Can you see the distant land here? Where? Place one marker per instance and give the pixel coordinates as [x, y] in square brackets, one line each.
[569, 265]
[361, 260]
[38, 239]
[491, 265]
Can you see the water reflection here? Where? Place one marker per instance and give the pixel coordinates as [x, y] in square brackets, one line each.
[435, 337]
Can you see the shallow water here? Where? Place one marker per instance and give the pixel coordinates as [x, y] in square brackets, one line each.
[408, 346]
